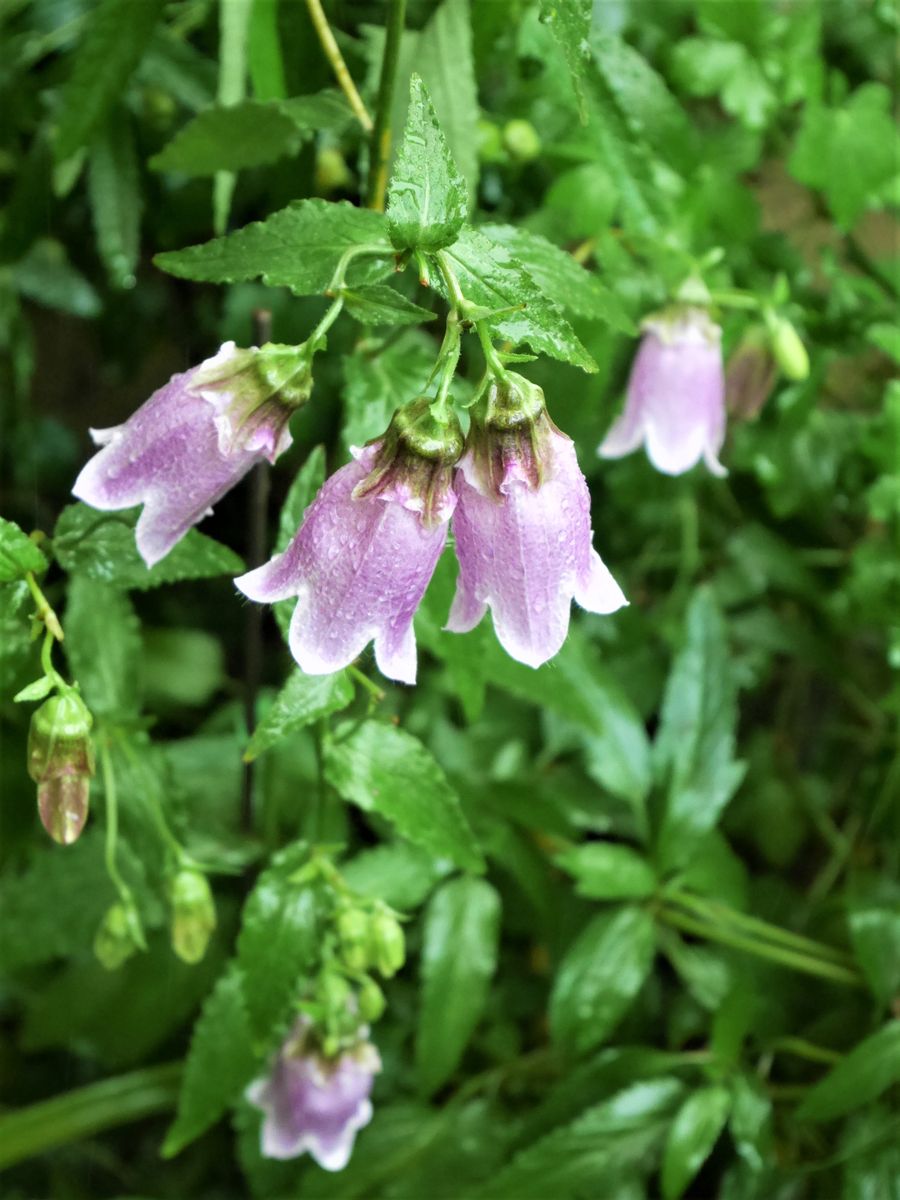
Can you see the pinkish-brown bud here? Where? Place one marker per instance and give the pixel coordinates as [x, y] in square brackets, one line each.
[61, 762]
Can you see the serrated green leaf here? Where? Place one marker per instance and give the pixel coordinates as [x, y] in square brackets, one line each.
[251, 133]
[646, 103]
[490, 275]
[427, 202]
[297, 248]
[561, 278]
[642, 205]
[101, 546]
[379, 304]
[694, 747]
[867, 1071]
[112, 43]
[16, 648]
[220, 1063]
[621, 1134]
[459, 957]
[849, 153]
[694, 1132]
[103, 645]
[386, 770]
[300, 495]
[280, 940]
[599, 977]
[302, 700]
[570, 23]
[608, 871]
[18, 553]
[399, 874]
[114, 191]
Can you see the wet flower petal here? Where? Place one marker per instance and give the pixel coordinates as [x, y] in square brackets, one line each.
[676, 395]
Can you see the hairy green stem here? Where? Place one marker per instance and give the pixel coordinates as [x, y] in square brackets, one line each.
[341, 71]
[87, 1111]
[380, 154]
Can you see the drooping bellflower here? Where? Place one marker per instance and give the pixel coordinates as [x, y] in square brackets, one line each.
[313, 1104]
[676, 394]
[367, 548]
[523, 528]
[194, 439]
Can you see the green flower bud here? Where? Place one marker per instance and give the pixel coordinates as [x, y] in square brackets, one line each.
[371, 1001]
[193, 914]
[333, 992]
[353, 932]
[388, 944]
[789, 351]
[118, 937]
[331, 173]
[61, 762]
[521, 140]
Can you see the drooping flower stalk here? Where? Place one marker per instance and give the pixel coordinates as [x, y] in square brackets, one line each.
[195, 438]
[523, 527]
[369, 544]
[676, 394]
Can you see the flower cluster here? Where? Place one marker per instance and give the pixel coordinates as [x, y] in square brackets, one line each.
[520, 510]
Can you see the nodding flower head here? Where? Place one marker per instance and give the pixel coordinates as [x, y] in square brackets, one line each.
[676, 394]
[368, 546]
[194, 439]
[523, 528]
[314, 1104]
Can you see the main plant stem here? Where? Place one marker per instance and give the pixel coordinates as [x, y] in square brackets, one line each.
[341, 71]
[380, 154]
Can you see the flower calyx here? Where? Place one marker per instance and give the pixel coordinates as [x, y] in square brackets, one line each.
[508, 433]
[255, 392]
[415, 462]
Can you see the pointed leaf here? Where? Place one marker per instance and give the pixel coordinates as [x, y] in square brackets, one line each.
[18, 553]
[302, 700]
[868, 1070]
[601, 974]
[694, 1132]
[297, 248]
[459, 957]
[427, 202]
[386, 770]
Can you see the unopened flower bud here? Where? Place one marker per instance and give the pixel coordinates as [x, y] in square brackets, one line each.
[371, 1001]
[333, 991]
[61, 762]
[193, 914]
[521, 140]
[118, 936]
[490, 141]
[388, 945]
[789, 351]
[750, 374]
[353, 931]
[332, 173]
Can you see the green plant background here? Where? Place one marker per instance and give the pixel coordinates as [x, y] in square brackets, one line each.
[652, 890]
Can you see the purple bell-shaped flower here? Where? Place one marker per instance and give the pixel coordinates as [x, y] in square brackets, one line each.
[368, 546]
[676, 395]
[194, 439]
[523, 528]
[314, 1104]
